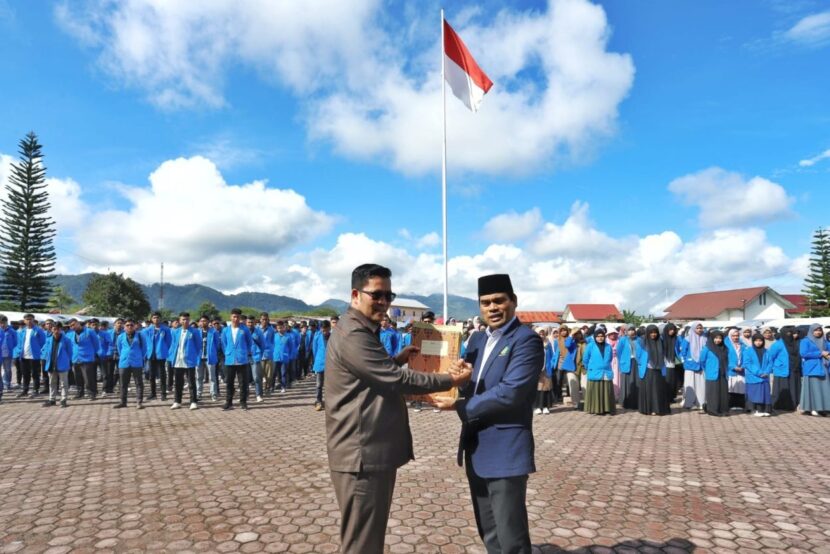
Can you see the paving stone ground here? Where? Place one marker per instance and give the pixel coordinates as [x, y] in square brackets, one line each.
[89, 478]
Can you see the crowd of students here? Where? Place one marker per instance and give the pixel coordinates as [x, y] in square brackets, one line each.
[751, 370]
[50, 358]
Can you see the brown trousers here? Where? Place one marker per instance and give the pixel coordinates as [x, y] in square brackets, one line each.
[365, 499]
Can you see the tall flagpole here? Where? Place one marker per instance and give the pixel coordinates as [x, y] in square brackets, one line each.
[444, 169]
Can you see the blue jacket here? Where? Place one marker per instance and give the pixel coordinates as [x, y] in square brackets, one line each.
[282, 347]
[85, 345]
[779, 359]
[548, 358]
[812, 364]
[710, 363]
[105, 343]
[192, 346]
[406, 340]
[257, 337]
[757, 371]
[237, 352]
[319, 350]
[157, 341]
[113, 349]
[10, 338]
[569, 364]
[213, 340]
[267, 337]
[597, 364]
[295, 344]
[642, 362]
[685, 354]
[735, 359]
[624, 353]
[496, 408]
[64, 358]
[36, 341]
[390, 341]
[131, 356]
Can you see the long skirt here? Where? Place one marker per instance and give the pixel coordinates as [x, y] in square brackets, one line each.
[616, 380]
[786, 392]
[671, 383]
[629, 386]
[737, 392]
[694, 389]
[815, 394]
[599, 397]
[717, 397]
[653, 395]
[758, 394]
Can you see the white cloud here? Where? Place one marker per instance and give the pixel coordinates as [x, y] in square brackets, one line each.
[810, 162]
[430, 240]
[363, 89]
[812, 30]
[726, 198]
[512, 226]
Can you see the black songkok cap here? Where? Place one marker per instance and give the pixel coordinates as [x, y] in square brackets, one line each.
[492, 284]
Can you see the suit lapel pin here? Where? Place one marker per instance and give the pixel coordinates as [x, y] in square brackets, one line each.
[504, 351]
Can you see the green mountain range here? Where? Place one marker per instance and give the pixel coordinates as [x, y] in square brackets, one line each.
[189, 297]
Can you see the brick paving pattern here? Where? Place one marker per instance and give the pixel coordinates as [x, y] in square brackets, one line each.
[89, 478]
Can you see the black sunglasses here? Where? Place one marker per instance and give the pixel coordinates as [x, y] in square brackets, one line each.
[378, 295]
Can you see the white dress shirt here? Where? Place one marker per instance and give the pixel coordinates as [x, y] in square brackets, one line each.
[492, 338]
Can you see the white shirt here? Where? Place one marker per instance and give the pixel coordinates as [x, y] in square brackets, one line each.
[234, 332]
[27, 344]
[492, 338]
[180, 356]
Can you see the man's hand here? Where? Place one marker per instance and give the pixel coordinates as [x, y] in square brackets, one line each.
[444, 402]
[403, 355]
[460, 372]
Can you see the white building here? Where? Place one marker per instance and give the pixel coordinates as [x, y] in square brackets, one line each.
[730, 305]
[403, 309]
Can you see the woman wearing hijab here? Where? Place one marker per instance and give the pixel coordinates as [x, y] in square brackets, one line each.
[612, 338]
[599, 394]
[785, 360]
[653, 397]
[815, 360]
[543, 388]
[756, 365]
[627, 350]
[670, 350]
[769, 336]
[581, 376]
[746, 336]
[694, 381]
[714, 359]
[737, 381]
[564, 360]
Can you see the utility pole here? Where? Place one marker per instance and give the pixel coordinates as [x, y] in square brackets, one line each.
[161, 288]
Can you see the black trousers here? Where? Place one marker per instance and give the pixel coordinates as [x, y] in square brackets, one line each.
[500, 507]
[31, 372]
[125, 374]
[191, 383]
[108, 369]
[158, 369]
[85, 378]
[231, 372]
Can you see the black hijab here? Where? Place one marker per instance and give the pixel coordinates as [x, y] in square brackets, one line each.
[669, 341]
[600, 345]
[759, 350]
[654, 347]
[792, 345]
[719, 350]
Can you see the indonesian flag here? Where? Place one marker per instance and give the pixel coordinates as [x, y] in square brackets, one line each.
[466, 79]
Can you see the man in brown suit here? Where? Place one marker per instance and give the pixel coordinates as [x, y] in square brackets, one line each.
[367, 425]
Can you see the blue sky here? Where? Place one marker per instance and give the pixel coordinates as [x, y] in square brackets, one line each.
[627, 148]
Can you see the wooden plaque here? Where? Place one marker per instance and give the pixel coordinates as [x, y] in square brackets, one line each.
[440, 346]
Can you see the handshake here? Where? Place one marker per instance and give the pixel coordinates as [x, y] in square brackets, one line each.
[460, 372]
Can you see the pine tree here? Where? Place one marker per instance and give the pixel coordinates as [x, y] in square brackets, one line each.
[27, 254]
[817, 282]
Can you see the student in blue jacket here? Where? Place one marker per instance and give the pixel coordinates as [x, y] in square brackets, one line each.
[131, 346]
[208, 359]
[8, 340]
[84, 356]
[757, 367]
[257, 338]
[544, 399]
[105, 357]
[564, 363]
[237, 345]
[627, 351]
[815, 360]
[694, 381]
[654, 393]
[321, 340]
[157, 342]
[184, 355]
[785, 359]
[736, 348]
[714, 359]
[599, 394]
[31, 339]
[58, 349]
[389, 337]
[282, 356]
[267, 334]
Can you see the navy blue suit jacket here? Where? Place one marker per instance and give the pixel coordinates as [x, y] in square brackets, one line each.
[497, 413]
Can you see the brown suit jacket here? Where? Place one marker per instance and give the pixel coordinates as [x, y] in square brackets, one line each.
[367, 424]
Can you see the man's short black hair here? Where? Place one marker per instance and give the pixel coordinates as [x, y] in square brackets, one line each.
[325, 325]
[28, 316]
[119, 319]
[217, 319]
[105, 323]
[362, 274]
[155, 314]
[335, 318]
[57, 325]
[280, 322]
[429, 314]
[184, 314]
[236, 311]
[263, 314]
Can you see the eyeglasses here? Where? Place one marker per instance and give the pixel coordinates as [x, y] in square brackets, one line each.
[378, 295]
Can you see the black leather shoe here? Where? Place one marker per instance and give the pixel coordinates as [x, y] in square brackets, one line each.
[119, 406]
[227, 407]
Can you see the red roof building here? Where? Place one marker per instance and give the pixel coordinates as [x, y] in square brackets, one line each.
[800, 303]
[539, 317]
[591, 313]
[730, 305]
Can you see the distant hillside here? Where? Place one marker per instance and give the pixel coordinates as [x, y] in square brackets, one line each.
[188, 297]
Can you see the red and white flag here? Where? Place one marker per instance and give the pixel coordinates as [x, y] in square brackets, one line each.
[466, 79]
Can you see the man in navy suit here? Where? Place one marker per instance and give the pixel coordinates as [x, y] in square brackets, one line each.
[496, 411]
